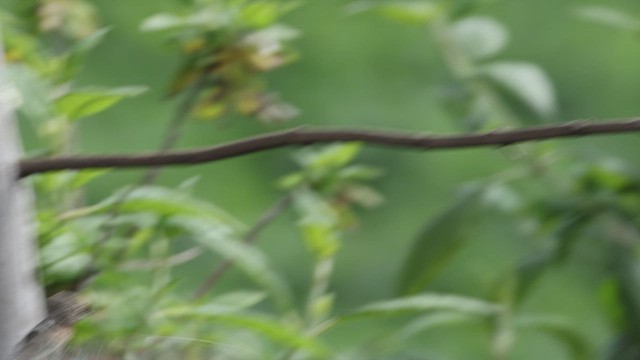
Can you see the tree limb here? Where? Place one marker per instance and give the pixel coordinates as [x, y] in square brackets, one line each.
[300, 136]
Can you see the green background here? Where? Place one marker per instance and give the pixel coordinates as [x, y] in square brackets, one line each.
[364, 71]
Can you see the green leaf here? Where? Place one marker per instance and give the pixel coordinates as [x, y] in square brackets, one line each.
[435, 320]
[165, 202]
[427, 302]
[526, 82]
[330, 157]
[609, 16]
[319, 223]
[64, 257]
[561, 330]
[273, 329]
[76, 57]
[440, 240]
[228, 303]
[32, 97]
[406, 12]
[479, 37]
[245, 257]
[82, 103]
[212, 17]
[270, 327]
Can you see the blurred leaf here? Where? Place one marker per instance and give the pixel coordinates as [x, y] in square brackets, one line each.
[245, 257]
[166, 202]
[82, 103]
[435, 320]
[77, 55]
[528, 271]
[331, 156]
[407, 12]
[34, 90]
[359, 173]
[318, 223]
[271, 328]
[212, 17]
[479, 37]
[440, 240]
[64, 258]
[560, 330]
[526, 82]
[260, 13]
[363, 195]
[228, 303]
[426, 302]
[84, 177]
[609, 16]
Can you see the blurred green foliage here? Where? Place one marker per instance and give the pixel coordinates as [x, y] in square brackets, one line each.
[521, 252]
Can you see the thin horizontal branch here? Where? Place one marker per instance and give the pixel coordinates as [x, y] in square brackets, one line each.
[301, 136]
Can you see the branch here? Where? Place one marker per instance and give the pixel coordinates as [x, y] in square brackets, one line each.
[310, 136]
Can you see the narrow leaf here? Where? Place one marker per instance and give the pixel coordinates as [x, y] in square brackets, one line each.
[246, 258]
[82, 103]
[427, 302]
[440, 240]
[407, 12]
[167, 202]
[610, 17]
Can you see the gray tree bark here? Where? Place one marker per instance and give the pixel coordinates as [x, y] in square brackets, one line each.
[22, 301]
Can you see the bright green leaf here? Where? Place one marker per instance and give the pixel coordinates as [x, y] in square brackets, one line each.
[83, 103]
[329, 157]
[479, 37]
[609, 16]
[527, 82]
[407, 12]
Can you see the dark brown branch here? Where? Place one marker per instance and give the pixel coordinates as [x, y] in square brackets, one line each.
[312, 136]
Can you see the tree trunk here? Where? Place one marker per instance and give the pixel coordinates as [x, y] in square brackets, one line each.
[21, 296]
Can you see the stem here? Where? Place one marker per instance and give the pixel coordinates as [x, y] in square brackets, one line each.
[292, 137]
[265, 219]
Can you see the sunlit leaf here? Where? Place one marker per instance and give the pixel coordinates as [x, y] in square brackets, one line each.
[609, 16]
[209, 18]
[479, 37]
[526, 82]
[332, 156]
[440, 240]
[407, 12]
[318, 223]
[82, 103]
